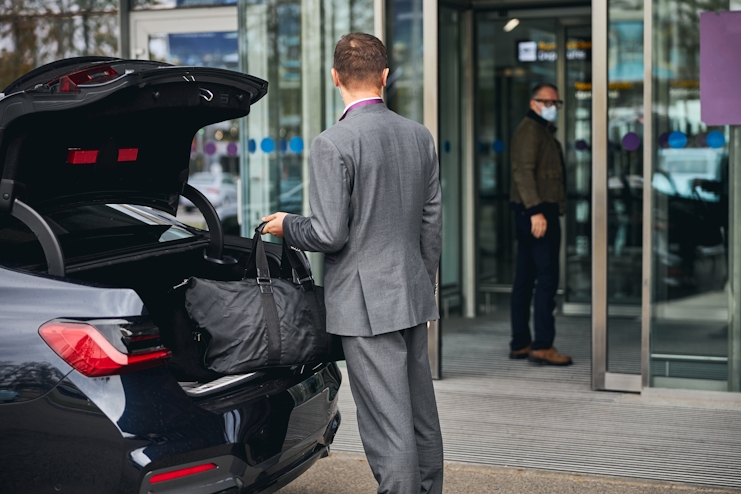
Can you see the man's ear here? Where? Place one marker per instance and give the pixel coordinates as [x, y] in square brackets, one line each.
[335, 77]
[384, 76]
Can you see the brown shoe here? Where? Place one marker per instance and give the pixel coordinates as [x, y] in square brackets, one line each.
[549, 356]
[520, 354]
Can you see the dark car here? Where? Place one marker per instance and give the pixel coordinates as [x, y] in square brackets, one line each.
[102, 386]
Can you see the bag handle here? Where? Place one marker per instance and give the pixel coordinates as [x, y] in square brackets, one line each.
[256, 263]
[292, 267]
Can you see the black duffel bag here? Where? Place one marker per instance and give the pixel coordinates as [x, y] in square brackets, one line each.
[261, 322]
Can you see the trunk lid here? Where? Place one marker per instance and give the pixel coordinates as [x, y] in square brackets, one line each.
[103, 130]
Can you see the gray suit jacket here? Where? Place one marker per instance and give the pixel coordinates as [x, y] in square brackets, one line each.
[377, 215]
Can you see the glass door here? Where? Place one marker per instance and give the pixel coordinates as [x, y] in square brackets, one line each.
[577, 94]
[691, 326]
[511, 58]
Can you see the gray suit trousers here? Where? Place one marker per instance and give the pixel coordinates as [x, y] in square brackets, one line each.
[391, 383]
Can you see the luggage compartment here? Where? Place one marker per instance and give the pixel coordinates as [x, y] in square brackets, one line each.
[158, 278]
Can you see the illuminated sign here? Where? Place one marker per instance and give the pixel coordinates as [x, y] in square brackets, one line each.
[527, 51]
[536, 51]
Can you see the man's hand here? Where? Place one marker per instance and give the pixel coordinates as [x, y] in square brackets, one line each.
[275, 224]
[538, 225]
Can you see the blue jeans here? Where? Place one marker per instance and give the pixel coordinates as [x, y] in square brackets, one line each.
[537, 260]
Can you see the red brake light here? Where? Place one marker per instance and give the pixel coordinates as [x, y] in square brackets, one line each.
[212, 190]
[67, 86]
[82, 157]
[96, 75]
[83, 347]
[128, 154]
[183, 472]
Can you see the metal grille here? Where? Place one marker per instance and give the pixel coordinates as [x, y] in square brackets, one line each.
[504, 412]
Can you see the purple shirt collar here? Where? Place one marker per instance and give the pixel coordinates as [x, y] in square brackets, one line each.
[367, 102]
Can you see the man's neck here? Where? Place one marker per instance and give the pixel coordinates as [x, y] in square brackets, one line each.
[351, 97]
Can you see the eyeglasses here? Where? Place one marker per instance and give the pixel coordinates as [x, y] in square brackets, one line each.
[550, 102]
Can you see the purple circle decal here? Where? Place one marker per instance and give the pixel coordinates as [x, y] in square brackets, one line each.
[631, 141]
[209, 148]
[231, 149]
[581, 145]
[664, 140]
[701, 140]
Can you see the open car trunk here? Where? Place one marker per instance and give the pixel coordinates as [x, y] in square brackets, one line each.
[106, 132]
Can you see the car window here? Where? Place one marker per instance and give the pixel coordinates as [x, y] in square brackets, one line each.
[90, 231]
[227, 179]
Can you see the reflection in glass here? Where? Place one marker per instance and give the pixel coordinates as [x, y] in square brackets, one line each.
[172, 4]
[690, 293]
[578, 160]
[273, 36]
[29, 40]
[215, 148]
[450, 158]
[625, 185]
[404, 91]
[273, 52]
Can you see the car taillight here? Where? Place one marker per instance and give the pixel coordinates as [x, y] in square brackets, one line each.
[97, 75]
[85, 348]
[183, 472]
[212, 190]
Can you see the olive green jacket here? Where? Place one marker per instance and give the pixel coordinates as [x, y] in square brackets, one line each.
[538, 173]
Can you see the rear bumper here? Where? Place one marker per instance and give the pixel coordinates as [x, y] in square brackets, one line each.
[259, 436]
[230, 474]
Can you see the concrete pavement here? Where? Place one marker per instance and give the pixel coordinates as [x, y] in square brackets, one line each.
[349, 473]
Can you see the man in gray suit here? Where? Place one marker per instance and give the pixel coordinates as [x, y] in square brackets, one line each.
[376, 214]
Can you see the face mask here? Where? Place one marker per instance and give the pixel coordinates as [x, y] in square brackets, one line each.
[549, 113]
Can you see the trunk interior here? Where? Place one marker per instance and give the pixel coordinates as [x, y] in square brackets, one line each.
[159, 282]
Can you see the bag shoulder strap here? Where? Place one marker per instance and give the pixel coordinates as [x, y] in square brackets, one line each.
[257, 266]
[301, 275]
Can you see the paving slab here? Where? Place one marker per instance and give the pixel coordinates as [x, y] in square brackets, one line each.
[349, 473]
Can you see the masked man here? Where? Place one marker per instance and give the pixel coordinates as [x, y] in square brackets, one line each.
[537, 193]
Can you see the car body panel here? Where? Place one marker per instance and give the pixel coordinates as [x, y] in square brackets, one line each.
[28, 367]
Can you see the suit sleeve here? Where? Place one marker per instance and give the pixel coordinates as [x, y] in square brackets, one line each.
[524, 155]
[327, 229]
[432, 217]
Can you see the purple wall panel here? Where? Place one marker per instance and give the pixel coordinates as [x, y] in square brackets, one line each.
[720, 68]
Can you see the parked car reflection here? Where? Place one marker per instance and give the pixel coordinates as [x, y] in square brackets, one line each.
[219, 188]
[691, 221]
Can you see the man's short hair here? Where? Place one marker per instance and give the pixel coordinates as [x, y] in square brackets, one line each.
[540, 86]
[359, 60]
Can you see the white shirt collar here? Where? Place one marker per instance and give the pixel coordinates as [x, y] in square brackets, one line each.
[359, 100]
